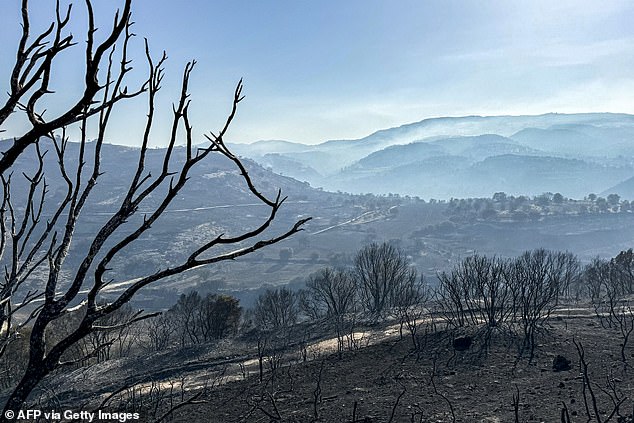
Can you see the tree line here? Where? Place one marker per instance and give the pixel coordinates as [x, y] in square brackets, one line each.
[506, 206]
[516, 294]
[519, 293]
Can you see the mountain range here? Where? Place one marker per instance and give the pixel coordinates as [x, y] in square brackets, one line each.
[471, 156]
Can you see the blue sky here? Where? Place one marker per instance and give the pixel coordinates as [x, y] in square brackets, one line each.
[319, 70]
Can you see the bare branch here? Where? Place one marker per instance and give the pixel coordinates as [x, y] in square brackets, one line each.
[32, 243]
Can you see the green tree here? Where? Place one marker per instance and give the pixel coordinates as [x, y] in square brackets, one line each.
[602, 204]
[613, 199]
[625, 206]
[219, 316]
[499, 197]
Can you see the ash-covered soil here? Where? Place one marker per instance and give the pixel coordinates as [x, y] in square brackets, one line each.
[390, 382]
[385, 379]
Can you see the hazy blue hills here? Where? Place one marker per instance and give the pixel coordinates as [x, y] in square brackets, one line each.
[580, 139]
[559, 140]
[434, 176]
[574, 154]
[575, 178]
[471, 148]
[289, 165]
[460, 176]
[401, 154]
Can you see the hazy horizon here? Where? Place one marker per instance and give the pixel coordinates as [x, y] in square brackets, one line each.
[323, 71]
[431, 118]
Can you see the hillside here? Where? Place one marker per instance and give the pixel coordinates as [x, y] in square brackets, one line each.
[216, 202]
[307, 373]
[391, 382]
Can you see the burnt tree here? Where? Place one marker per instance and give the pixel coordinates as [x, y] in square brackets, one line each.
[381, 271]
[37, 236]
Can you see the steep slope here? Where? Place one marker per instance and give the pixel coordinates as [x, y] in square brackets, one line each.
[216, 200]
[288, 166]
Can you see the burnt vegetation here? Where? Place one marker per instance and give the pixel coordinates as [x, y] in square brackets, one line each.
[364, 338]
[37, 236]
[524, 316]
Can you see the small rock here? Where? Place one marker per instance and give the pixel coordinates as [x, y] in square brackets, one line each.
[462, 343]
[561, 363]
[561, 385]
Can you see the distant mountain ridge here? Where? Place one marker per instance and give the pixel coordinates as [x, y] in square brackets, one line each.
[398, 159]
